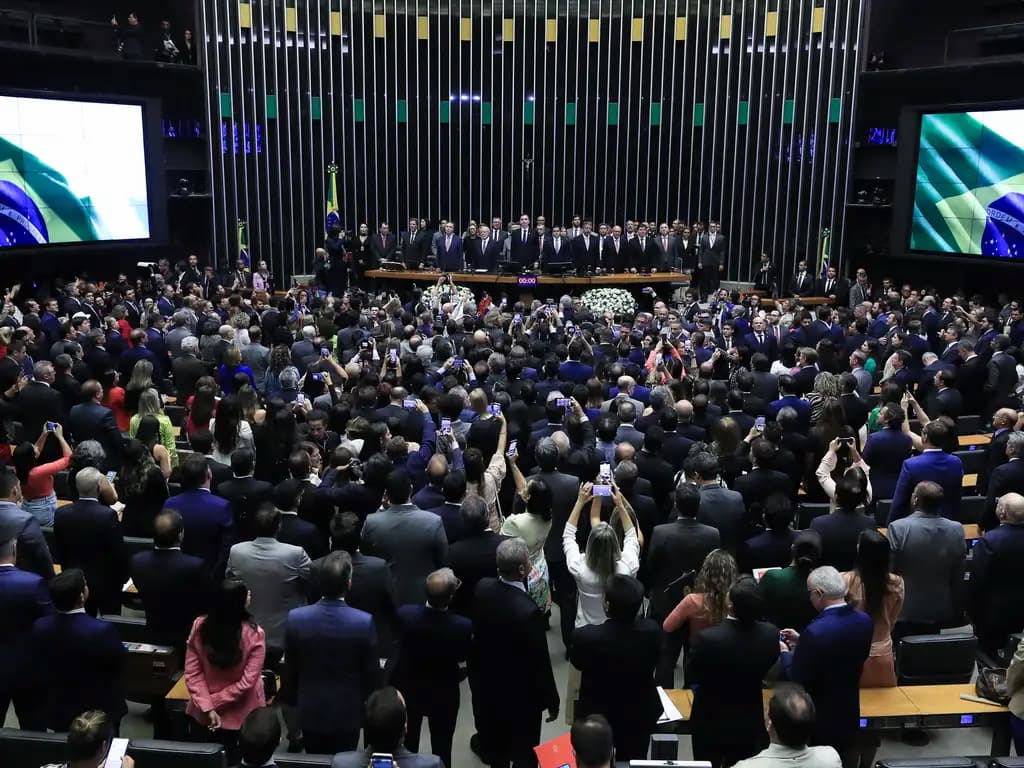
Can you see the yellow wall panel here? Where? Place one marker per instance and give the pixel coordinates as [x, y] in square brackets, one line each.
[771, 24]
[245, 15]
[594, 31]
[508, 30]
[818, 20]
[551, 31]
[465, 30]
[681, 28]
[291, 19]
[725, 28]
[335, 23]
[637, 34]
[379, 25]
[422, 27]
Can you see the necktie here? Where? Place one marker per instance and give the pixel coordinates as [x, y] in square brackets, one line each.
[664, 243]
[616, 246]
[760, 338]
[642, 244]
[448, 242]
[524, 235]
[800, 279]
[558, 244]
[483, 246]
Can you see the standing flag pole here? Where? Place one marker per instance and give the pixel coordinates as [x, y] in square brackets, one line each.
[332, 219]
[826, 246]
[243, 243]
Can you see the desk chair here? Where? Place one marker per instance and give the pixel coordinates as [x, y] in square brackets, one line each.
[176, 413]
[809, 511]
[30, 748]
[149, 753]
[61, 486]
[971, 508]
[49, 538]
[882, 512]
[968, 425]
[136, 544]
[936, 659]
[132, 629]
[973, 461]
[936, 762]
[302, 761]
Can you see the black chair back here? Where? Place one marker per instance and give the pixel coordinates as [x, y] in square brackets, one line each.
[936, 659]
[968, 425]
[808, 512]
[882, 512]
[150, 753]
[136, 544]
[971, 508]
[302, 761]
[973, 461]
[935, 762]
[29, 749]
[132, 629]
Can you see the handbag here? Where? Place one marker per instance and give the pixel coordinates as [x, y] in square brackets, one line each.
[991, 685]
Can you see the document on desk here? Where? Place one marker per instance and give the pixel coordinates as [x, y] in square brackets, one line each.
[669, 714]
[118, 748]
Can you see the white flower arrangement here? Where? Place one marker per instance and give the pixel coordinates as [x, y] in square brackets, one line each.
[432, 295]
[618, 301]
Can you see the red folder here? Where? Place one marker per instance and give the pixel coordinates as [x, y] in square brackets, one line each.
[556, 753]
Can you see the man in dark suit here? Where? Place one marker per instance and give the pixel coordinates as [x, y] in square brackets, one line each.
[77, 660]
[487, 250]
[855, 409]
[472, 558]
[90, 420]
[509, 666]
[712, 252]
[525, 245]
[23, 599]
[1005, 478]
[209, 524]
[886, 450]
[88, 536]
[807, 370]
[385, 730]
[294, 530]
[725, 665]
[933, 464]
[373, 588]
[138, 352]
[383, 245]
[614, 251]
[762, 480]
[188, 369]
[37, 403]
[995, 603]
[243, 492]
[1004, 422]
[828, 657]
[174, 587]
[586, 249]
[557, 249]
[665, 250]
[415, 246]
[760, 341]
[434, 642]
[943, 399]
[835, 288]
[450, 256]
[1000, 378]
[687, 246]
[616, 661]
[789, 397]
[676, 552]
[802, 282]
[450, 509]
[653, 468]
[334, 662]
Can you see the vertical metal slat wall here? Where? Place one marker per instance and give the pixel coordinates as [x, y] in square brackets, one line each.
[739, 110]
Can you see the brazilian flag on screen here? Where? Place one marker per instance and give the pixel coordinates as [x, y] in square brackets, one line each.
[36, 204]
[969, 193]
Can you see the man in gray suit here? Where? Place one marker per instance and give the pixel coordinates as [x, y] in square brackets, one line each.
[929, 552]
[625, 385]
[720, 507]
[865, 381]
[277, 575]
[256, 356]
[412, 540]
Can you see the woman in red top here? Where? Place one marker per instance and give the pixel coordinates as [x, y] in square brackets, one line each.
[37, 479]
[202, 406]
[223, 661]
[113, 398]
[706, 605]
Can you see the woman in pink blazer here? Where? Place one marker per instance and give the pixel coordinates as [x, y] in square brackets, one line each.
[223, 662]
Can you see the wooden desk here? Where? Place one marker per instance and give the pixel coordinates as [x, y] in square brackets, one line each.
[177, 432]
[969, 481]
[179, 692]
[945, 700]
[64, 502]
[598, 281]
[56, 568]
[966, 441]
[886, 702]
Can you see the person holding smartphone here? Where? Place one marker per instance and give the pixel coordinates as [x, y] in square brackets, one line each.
[38, 496]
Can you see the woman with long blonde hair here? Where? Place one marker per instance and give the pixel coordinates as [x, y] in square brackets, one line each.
[150, 405]
[707, 603]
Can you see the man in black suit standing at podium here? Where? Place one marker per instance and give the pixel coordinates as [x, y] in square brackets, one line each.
[415, 246]
[486, 250]
[525, 249]
[586, 249]
[383, 245]
[711, 254]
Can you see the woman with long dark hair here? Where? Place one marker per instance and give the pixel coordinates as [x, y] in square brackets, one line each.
[141, 485]
[230, 431]
[202, 406]
[785, 589]
[148, 433]
[223, 661]
[873, 588]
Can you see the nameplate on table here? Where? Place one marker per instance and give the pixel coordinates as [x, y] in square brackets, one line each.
[527, 281]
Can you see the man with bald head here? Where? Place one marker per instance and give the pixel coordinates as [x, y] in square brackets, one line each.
[434, 643]
[431, 495]
[685, 425]
[1004, 421]
[1007, 478]
[995, 599]
[625, 389]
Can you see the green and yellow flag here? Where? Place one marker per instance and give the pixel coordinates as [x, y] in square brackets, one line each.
[37, 205]
[243, 243]
[332, 219]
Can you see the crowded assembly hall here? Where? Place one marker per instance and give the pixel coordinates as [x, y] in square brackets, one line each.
[520, 384]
